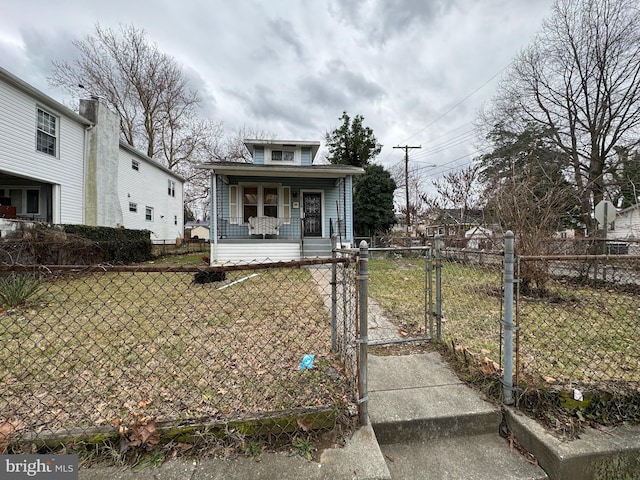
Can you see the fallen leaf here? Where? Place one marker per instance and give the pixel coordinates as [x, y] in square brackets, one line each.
[548, 379]
[6, 429]
[305, 426]
[144, 433]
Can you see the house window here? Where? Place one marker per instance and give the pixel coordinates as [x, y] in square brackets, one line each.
[175, 219]
[46, 133]
[171, 188]
[135, 165]
[258, 201]
[282, 156]
[270, 196]
[148, 214]
[249, 203]
[26, 200]
[133, 207]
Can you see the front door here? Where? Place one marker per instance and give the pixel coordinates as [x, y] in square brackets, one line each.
[312, 209]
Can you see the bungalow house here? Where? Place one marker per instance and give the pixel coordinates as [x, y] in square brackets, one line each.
[62, 167]
[281, 206]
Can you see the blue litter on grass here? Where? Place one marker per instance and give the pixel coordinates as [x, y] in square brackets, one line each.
[307, 362]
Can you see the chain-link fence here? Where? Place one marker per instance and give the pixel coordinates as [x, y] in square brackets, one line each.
[578, 321]
[181, 353]
[471, 285]
[400, 291]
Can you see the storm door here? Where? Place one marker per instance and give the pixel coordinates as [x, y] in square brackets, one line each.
[312, 209]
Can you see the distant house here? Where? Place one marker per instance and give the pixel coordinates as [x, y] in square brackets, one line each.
[479, 238]
[281, 206]
[197, 230]
[453, 222]
[626, 225]
[62, 167]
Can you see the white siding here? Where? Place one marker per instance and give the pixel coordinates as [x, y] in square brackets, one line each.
[19, 157]
[627, 225]
[252, 252]
[148, 187]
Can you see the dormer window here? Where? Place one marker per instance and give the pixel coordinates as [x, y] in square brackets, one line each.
[285, 156]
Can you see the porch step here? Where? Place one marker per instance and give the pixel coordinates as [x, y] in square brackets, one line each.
[316, 247]
[429, 424]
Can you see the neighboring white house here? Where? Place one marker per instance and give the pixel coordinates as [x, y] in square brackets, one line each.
[61, 167]
[479, 238]
[626, 225]
[197, 230]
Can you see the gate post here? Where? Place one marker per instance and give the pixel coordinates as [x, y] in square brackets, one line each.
[438, 288]
[334, 296]
[363, 340]
[429, 291]
[508, 317]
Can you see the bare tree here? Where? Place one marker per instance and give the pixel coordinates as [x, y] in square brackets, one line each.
[144, 86]
[580, 80]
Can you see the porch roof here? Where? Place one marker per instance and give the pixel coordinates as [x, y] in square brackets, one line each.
[293, 171]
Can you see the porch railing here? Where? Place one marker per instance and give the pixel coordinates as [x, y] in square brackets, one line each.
[238, 228]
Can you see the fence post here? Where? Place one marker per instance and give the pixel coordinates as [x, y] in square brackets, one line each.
[363, 340]
[438, 288]
[429, 291]
[334, 296]
[508, 317]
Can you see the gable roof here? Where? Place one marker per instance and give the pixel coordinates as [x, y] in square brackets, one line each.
[41, 97]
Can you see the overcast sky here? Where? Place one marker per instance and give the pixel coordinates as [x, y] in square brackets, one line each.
[417, 70]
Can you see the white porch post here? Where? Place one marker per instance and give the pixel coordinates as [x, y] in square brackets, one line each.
[213, 215]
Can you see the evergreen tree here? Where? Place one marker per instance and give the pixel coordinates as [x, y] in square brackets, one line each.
[352, 143]
[373, 201]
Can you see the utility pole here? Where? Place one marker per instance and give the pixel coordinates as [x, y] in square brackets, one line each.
[406, 180]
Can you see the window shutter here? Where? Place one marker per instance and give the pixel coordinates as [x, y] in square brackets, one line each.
[233, 204]
[286, 204]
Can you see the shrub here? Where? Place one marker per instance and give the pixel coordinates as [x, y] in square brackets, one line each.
[16, 289]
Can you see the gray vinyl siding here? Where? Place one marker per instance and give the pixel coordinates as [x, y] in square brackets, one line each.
[332, 196]
[306, 158]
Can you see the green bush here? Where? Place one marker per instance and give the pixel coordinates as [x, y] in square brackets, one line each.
[16, 289]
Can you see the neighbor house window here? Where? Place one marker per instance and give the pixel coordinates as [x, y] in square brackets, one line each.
[172, 188]
[26, 200]
[135, 165]
[133, 207]
[175, 219]
[282, 156]
[148, 214]
[46, 138]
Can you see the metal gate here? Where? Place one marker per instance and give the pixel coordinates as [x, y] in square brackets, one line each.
[401, 300]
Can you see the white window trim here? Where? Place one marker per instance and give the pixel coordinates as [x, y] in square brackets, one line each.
[148, 211]
[297, 156]
[133, 207]
[135, 165]
[236, 205]
[56, 135]
[171, 188]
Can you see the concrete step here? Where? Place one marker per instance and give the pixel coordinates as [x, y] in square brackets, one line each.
[418, 397]
[430, 425]
[484, 457]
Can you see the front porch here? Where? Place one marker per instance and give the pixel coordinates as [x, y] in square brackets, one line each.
[232, 241]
